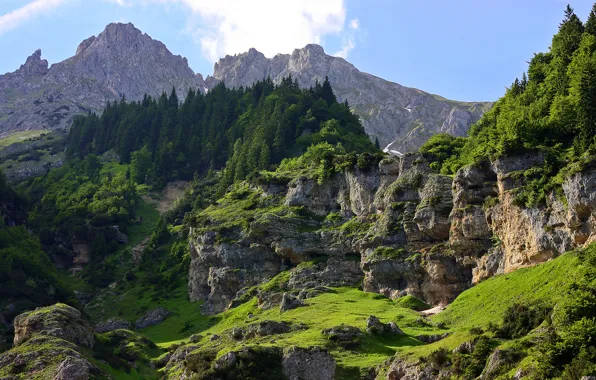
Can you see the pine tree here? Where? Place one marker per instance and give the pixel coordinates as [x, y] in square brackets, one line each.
[591, 22]
[586, 109]
[377, 145]
[567, 40]
[327, 92]
[173, 99]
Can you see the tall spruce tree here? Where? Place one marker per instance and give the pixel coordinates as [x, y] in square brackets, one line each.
[590, 26]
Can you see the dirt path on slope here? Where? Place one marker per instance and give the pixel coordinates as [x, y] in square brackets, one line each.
[164, 201]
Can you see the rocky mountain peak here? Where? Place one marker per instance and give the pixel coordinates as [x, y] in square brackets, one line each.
[312, 49]
[120, 62]
[123, 61]
[34, 66]
[401, 118]
[85, 44]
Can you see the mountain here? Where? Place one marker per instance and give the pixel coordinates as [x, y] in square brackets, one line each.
[402, 118]
[122, 61]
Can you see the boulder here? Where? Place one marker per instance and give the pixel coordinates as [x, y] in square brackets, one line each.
[73, 369]
[344, 335]
[60, 320]
[152, 317]
[375, 326]
[112, 324]
[289, 302]
[308, 364]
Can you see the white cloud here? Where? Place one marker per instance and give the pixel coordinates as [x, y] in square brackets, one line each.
[348, 39]
[12, 20]
[271, 26]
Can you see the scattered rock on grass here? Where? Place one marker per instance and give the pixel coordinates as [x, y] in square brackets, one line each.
[152, 317]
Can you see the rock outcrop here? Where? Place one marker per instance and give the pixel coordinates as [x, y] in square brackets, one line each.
[51, 343]
[61, 321]
[293, 363]
[152, 317]
[397, 228]
[120, 62]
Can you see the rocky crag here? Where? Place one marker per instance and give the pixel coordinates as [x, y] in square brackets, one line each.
[402, 118]
[120, 62]
[123, 62]
[396, 228]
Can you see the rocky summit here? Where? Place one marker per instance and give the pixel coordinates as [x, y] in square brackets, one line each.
[123, 62]
[402, 118]
[120, 62]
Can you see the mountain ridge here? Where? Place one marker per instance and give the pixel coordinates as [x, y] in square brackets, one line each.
[37, 97]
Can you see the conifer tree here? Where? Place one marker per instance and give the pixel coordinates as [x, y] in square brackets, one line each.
[586, 109]
[591, 22]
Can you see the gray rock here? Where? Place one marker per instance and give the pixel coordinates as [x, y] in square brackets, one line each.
[344, 335]
[195, 338]
[61, 321]
[120, 61]
[121, 237]
[152, 317]
[375, 326]
[289, 302]
[112, 324]
[308, 364]
[73, 369]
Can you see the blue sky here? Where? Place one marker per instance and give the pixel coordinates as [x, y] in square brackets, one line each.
[459, 49]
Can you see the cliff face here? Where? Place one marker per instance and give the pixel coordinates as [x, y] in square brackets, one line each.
[120, 61]
[408, 229]
[402, 118]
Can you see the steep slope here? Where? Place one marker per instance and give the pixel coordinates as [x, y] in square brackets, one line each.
[402, 118]
[120, 61]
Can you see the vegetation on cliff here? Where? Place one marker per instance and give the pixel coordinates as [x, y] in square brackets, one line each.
[550, 112]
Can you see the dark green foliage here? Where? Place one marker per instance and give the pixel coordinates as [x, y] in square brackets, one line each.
[466, 365]
[28, 279]
[551, 112]
[590, 26]
[520, 319]
[438, 358]
[255, 363]
[440, 150]
[241, 130]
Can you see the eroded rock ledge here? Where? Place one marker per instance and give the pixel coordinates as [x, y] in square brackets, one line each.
[396, 228]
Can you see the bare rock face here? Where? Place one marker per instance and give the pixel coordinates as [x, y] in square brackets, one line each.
[397, 229]
[61, 321]
[402, 118]
[120, 62]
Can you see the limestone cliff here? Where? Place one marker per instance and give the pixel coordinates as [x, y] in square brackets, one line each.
[410, 230]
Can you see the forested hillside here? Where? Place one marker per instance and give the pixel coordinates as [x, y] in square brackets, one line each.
[243, 130]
